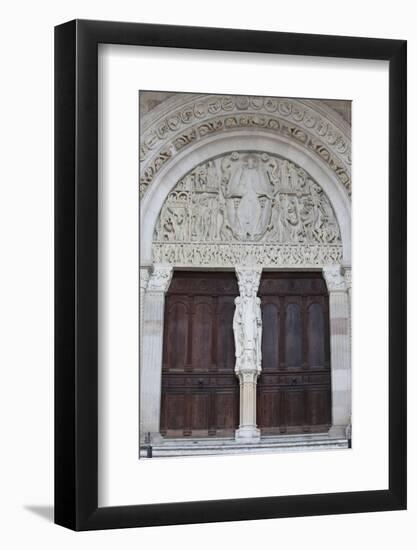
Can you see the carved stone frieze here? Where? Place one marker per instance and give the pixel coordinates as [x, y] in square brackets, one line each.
[206, 115]
[191, 254]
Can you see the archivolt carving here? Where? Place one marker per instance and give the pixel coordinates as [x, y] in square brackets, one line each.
[246, 207]
[206, 115]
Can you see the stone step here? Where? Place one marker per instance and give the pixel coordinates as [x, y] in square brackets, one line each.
[221, 446]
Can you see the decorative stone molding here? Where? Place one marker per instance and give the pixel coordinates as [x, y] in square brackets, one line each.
[247, 328]
[160, 278]
[201, 116]
[162, 138]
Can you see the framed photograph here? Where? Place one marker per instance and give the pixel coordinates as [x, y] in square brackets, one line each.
[230, 275]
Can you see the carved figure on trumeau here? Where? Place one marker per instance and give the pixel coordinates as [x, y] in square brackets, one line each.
[247, 322]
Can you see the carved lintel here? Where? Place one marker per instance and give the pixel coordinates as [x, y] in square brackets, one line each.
[190, 254]
[334, 278]
[160, 279]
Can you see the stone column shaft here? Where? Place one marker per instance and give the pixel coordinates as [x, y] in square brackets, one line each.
[151, 367]
[144, 274]
[248, 400]
[340, 353]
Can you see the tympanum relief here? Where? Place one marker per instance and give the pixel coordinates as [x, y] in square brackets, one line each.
[247, 205]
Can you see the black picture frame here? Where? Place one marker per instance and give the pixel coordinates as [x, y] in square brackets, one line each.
[76, 272]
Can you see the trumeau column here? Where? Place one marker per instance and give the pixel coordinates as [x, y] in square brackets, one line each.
[152, 338]
[340, 356]
[247, 328]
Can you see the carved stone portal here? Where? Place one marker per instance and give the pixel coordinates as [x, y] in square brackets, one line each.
[247, 328]
[249, 207]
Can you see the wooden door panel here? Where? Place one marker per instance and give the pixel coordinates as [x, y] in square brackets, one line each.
[199, 418]
[202, 333]
[226, 410]
[294, 391]
[200, 391]
[175, 410]
[269, 408]
[316, 336]
[225, 338]
[294, 408]
[293, 335]
[176, 334]
[270, 327]
[319, 403]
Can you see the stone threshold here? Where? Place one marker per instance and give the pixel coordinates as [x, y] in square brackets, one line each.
[228, 446]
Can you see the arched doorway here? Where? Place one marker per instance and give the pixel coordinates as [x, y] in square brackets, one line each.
[242, 199]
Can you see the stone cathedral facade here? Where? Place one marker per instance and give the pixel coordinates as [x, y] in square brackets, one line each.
[245, 274]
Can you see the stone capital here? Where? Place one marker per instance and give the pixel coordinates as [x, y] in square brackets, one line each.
[160, 279]
[248, 278]
[347, 272]
[144, 275]
[248, 376]
[334, 278]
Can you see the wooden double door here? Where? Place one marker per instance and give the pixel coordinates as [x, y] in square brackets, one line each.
[200, 391]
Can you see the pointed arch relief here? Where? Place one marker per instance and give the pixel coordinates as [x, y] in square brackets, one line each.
[263, 201]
